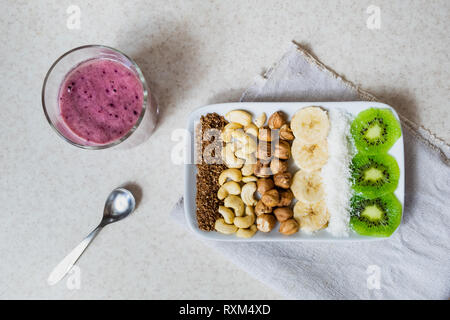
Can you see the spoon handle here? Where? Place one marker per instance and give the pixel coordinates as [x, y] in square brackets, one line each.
[66, 264]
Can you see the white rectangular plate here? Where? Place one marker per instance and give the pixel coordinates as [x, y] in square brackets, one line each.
[289, 108]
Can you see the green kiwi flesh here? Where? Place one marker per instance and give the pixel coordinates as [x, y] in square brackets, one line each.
[377, 217]
[375, 130]
[374, 175]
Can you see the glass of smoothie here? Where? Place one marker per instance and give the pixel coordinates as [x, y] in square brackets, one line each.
[96, 97]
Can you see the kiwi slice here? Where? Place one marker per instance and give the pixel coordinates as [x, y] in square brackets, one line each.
[375, 130]
[374, 175]
[377, 217]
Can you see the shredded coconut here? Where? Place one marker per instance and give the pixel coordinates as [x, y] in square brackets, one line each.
[336, 173]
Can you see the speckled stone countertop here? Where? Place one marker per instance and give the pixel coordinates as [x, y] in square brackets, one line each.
[193, 53]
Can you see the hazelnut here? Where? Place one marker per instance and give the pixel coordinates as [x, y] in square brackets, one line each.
[262, 170]
[261, 208]
[282, 150]
[271, 198]
[278, 166]
[282, 180]
[264, 151]
[286, 197]
[276, 120]
[283, 213]
[289, 227]
[264, 185]
[265, 134]
[286, 132]
[265, 222]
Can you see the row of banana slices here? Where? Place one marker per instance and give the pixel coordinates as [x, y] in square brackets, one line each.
[238, 184]
[310, 127]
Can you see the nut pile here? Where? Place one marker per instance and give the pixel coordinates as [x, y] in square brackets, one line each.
[273, 153]
[237, 183]
[256, 157]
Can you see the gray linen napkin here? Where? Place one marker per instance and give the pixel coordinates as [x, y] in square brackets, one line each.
[412, 264]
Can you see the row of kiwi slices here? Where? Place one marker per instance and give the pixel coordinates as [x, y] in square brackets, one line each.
[375, 211]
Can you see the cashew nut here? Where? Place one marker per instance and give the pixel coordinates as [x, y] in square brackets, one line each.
[249, 179]
[246, 233]
[249, 144]
[224, 228]
[228, 130]
[249, 158]
[247, 221]
[233, 174]
[226, 135]
[230, 187]
[235, 203]
[247, 193]
[230, 159]
[252, 129]
[227, 214]
[260, 120]
[232, 126]
[235, 145]
[239, 116]
[238, 134]
[248, 169]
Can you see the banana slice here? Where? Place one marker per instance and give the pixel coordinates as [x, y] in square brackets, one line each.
[307, 186]
[311, 216]
[310, 157]
[310, 125]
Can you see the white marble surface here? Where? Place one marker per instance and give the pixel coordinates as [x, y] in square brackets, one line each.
[193, 53]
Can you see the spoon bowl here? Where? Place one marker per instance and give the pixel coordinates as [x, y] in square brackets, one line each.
[119, 204]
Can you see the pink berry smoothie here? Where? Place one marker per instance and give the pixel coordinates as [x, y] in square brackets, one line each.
[101, 100]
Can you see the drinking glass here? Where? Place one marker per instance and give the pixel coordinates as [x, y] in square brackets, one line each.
[55, 77]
